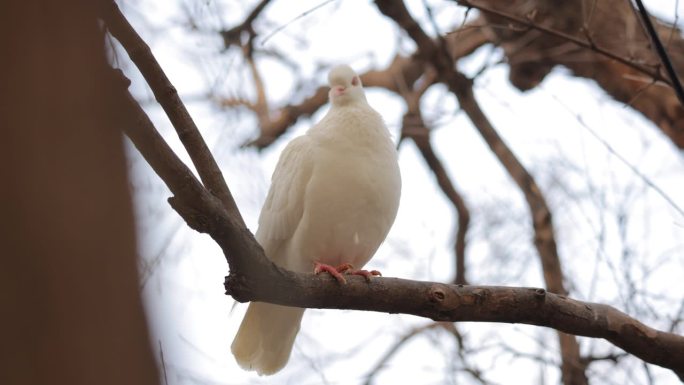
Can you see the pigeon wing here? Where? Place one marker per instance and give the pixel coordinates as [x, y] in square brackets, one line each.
[284, 205]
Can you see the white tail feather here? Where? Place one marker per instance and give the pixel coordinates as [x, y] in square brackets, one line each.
[266, 336]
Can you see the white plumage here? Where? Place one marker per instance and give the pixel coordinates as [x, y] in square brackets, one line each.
[333, 198]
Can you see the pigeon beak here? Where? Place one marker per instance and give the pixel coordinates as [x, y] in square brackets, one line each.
[339, 90]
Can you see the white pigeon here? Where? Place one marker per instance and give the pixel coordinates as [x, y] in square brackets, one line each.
[333, 198]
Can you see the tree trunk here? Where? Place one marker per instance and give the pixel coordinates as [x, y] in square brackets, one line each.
[71, 309]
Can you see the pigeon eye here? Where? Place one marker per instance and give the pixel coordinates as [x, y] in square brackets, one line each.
[355, 81]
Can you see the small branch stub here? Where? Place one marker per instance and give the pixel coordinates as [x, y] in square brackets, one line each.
[437, 294]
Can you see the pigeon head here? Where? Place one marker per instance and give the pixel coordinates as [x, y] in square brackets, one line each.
[345, 86]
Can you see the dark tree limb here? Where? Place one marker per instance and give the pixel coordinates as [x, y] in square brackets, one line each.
[660, 49]
[168, 98]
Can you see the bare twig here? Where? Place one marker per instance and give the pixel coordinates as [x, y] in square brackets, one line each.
[615, 357]
[232, 36]
[370, 377]
[163, 363]
[541, 52]
[260, 107]
[624, 161]
[303, 14]
[272, 128]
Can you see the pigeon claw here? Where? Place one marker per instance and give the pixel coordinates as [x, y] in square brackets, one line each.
[334, 271]
[345, 268]
[364, 273]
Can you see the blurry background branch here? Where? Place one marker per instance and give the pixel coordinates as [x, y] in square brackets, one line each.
[536, 37]
[441, 302]
[413, 126]
[434, 53]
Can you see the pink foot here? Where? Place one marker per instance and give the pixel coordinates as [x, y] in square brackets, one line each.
[334, 271]
[345, 268]
[365, 273]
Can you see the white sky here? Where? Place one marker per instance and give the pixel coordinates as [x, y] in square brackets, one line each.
[194, 322]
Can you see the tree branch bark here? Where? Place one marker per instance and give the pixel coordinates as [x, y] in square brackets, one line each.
[442, 302]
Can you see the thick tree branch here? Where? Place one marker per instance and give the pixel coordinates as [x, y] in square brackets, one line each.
[168, 98]
[442, 302]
